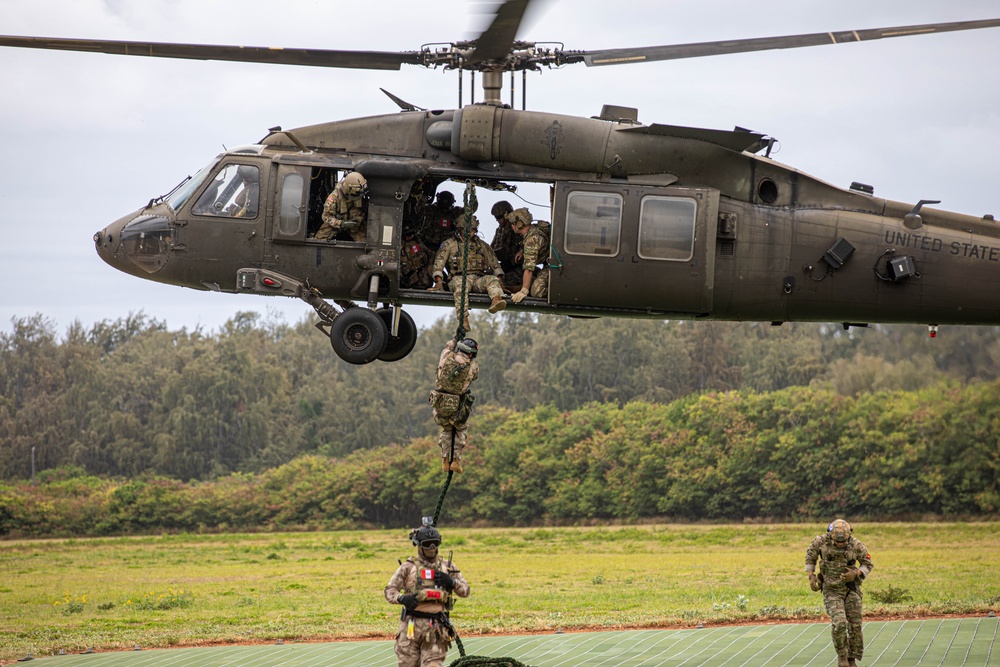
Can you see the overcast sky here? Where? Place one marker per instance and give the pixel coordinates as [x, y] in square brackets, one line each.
[90, 137]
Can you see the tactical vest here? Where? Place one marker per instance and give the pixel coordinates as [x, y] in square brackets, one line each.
[412, 257]
[426, 590]
[477, 260]
[836, 560]
[453, 375]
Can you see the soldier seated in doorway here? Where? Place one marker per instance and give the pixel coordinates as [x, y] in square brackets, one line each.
[344, 211]
[480, 275]
[534, 278]
[439, 219]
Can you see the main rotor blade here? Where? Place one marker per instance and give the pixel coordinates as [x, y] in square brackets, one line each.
[496, 41]
[243, 54]
[678, 51]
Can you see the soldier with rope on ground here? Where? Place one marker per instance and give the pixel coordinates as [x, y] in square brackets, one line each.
[425, 585]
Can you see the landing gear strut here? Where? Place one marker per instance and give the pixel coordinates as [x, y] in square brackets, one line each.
[359, 335]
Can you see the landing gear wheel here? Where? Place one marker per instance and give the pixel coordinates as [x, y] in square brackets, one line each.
[399, 346]
[358, 336]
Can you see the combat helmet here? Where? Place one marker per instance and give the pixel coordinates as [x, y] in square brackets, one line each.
[501, 208]
[840, 531]
[520, 218]
[425, 536]
[468, 346]
[460, 225]
[248, 173]
[446, 198]
[354, 185]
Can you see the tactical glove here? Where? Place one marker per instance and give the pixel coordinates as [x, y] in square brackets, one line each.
[851, 575]
[444, 580]
[517, 297]
[350, 225]
[438, 285]
[814, 581]
[408, 601]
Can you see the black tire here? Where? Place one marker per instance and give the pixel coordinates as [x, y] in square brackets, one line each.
[399, 346]
[358, 336]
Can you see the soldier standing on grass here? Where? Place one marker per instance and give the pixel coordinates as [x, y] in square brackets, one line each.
[844, 563]
[425, 585]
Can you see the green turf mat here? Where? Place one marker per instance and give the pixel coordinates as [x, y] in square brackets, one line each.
[949, 642]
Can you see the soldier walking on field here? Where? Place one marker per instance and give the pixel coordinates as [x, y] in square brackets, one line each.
[844, 562]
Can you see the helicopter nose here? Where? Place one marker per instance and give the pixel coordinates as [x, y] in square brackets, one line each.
[138, 244]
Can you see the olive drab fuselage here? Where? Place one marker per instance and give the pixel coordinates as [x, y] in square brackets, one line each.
[648, 221]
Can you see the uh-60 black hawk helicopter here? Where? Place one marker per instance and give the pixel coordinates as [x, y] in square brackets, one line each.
[651, 221]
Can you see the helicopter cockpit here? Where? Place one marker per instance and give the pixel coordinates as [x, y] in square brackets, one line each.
[234, 193]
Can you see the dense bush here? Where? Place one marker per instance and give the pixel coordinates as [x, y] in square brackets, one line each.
[792, 454]
[131, 398]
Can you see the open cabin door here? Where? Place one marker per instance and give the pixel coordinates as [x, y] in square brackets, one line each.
[634, 247]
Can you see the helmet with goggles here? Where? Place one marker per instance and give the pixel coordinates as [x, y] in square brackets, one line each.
[840, 531]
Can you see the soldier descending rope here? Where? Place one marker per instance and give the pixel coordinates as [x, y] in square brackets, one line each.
[451, 400]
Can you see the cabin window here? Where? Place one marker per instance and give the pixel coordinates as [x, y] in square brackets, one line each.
[666, 228]
[593, 223]
[290, 209]
[234, 193]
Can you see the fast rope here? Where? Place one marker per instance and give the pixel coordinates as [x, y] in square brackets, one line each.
[471, 204]
[480, 661]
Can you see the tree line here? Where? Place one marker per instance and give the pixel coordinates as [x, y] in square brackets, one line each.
[131, 398]
[792, 454]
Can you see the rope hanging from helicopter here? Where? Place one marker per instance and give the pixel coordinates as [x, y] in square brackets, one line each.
[471, 204]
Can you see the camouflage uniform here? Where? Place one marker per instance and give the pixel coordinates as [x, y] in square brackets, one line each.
[414, 264]
[506, 244]
[536, 251]
[428, 642]
[451, 401]
[438, 224]
[482, 261]
[338, 209]
[842, 599]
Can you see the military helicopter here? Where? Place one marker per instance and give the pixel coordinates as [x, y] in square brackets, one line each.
[651, 221]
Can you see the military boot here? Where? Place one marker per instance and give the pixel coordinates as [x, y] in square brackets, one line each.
[465, 324]
[456, 466]
[842, 661]
[497, 304]
[851, 663]
[444, 465]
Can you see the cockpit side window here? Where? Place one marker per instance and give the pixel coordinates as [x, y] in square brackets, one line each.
[233, 193]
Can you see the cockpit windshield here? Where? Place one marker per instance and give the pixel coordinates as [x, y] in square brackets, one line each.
[184, 191]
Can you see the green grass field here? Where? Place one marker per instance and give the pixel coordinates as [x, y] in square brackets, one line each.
[198, 589]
